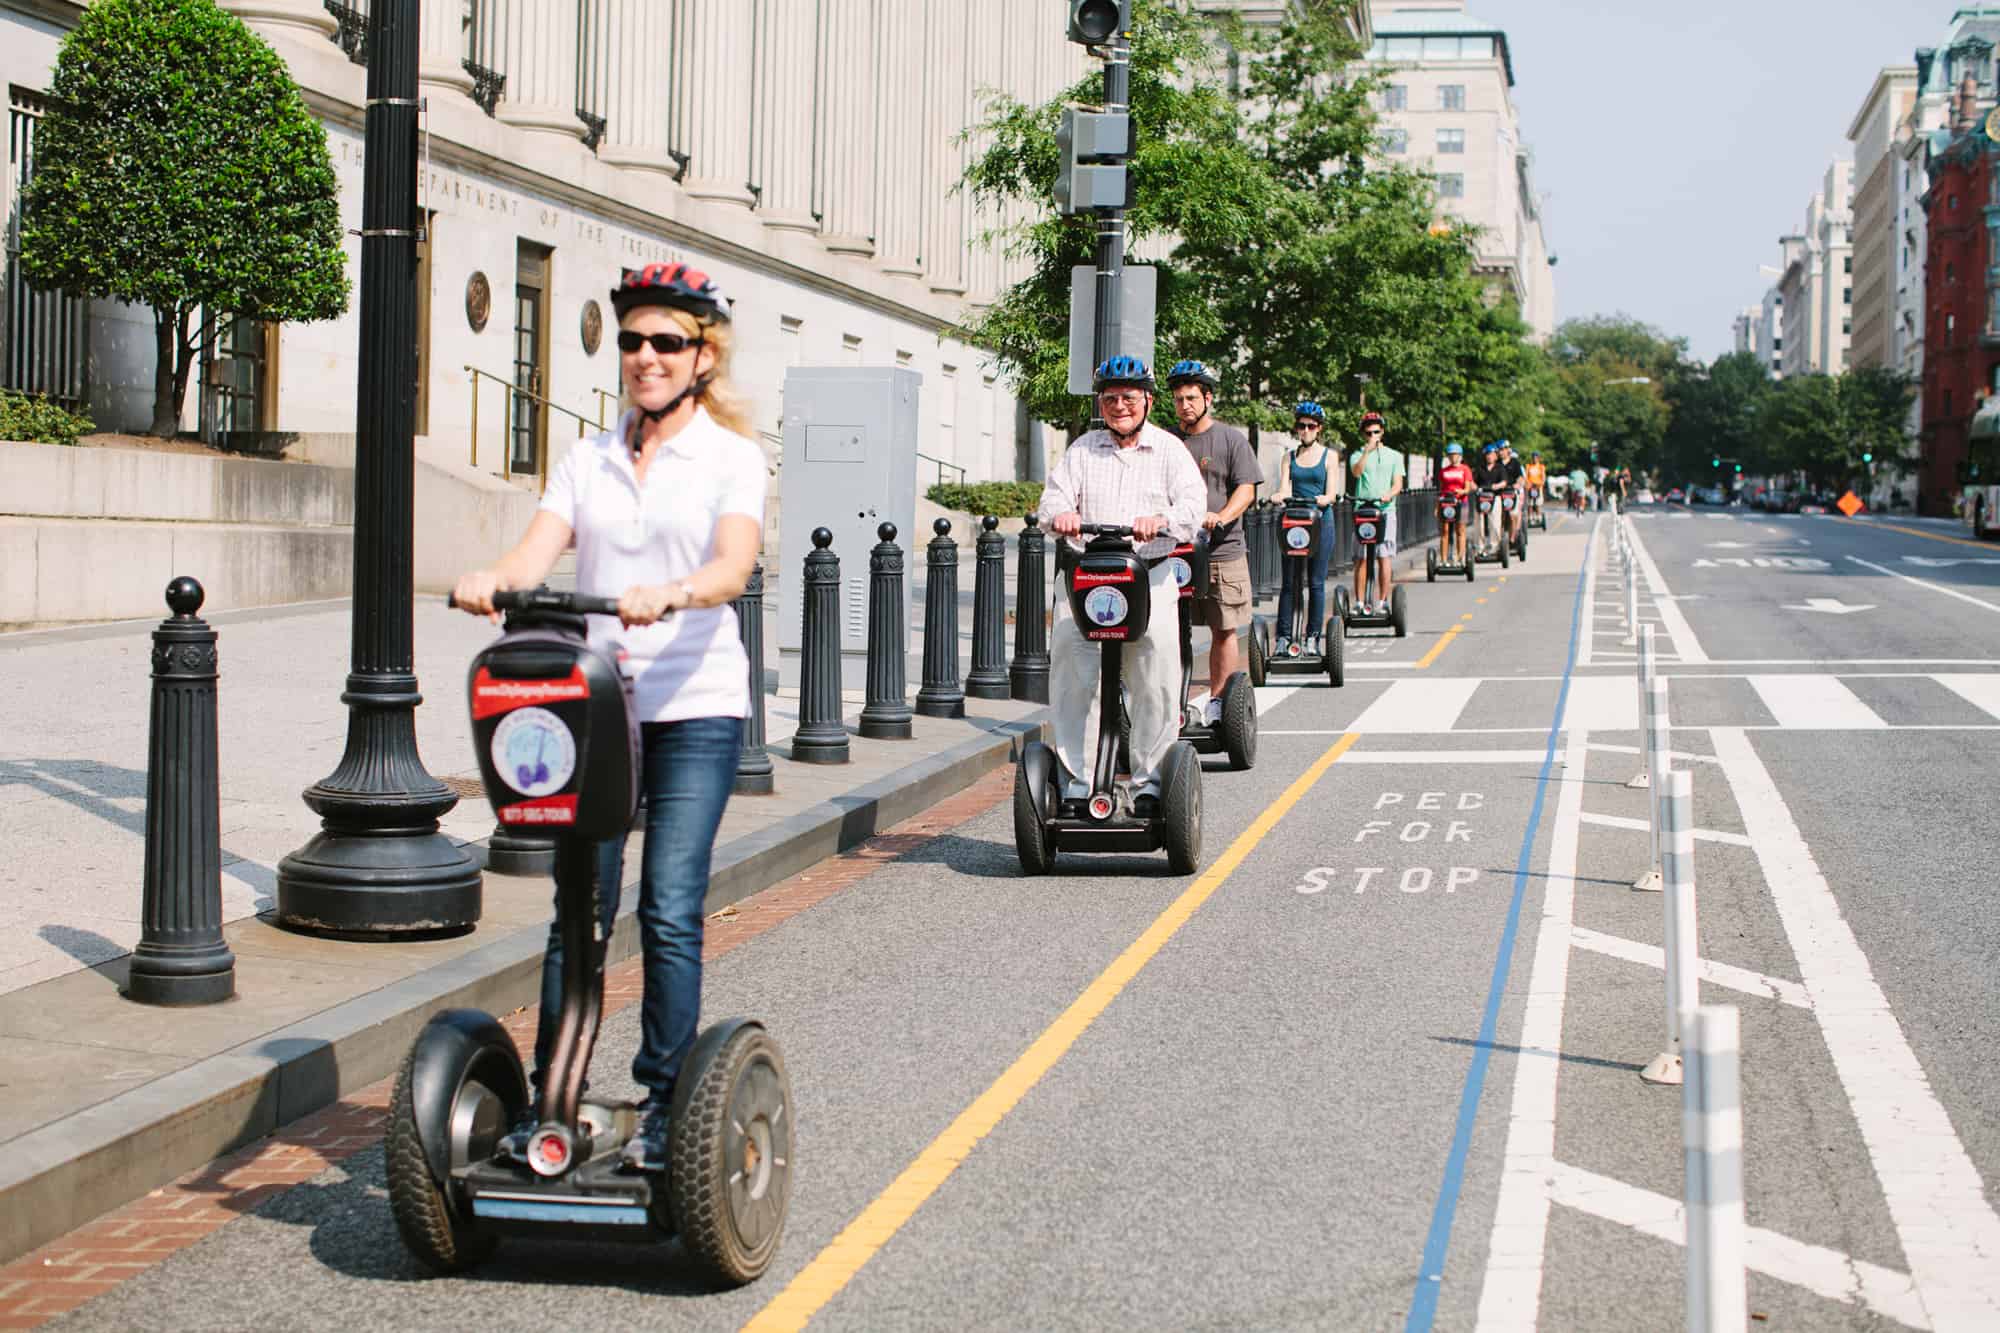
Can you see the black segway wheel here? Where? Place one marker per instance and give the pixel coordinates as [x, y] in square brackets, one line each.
[1180, 808]
[1503, 553]
[435, 1228]
[1341, 598]
[1258, 654]
[1398, 612]
[1031, 836]
[731, 1152]
[1521, 551]
[1468, 567]
[1431, 566]
[1336, 651]
[1124, 734]
[1239, 722]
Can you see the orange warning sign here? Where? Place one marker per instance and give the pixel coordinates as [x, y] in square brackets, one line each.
[1850, 504]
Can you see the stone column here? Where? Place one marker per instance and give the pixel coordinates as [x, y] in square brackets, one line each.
[711, 62]
[538, 40]
[847, 143]
[787, 55]
[637, 85]
[297, 19]
[441, 59]
[903, 78]
[946, 102]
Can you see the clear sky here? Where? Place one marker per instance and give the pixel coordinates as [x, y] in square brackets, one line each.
[1676, 142]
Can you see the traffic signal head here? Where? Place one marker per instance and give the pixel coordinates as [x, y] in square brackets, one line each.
[1095, 22]
[1715, 462]
[1082, 185]
[1739, 467]
[1867, 458]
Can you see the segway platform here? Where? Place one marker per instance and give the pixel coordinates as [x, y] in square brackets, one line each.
[1368, 527]
[1235, 732]
[1450, 510]
[558, 750]
[1485, 554]
[1301, 528]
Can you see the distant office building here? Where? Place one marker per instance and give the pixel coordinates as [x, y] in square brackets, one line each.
[1770, 345]
[1818, 283]
[1878, 185]
[1448, 108]
[1743, 330]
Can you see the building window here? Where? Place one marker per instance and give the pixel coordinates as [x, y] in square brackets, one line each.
[1949, 276]
[1847, 326]
[1847, 296]
[1951, 203]
[1847, 264]
[1451, 186]
[850, 348]
[1451, 97]
[1451, 141]
[1395, 141]
[1777, 344]
[1396, 97]
[1993, 312]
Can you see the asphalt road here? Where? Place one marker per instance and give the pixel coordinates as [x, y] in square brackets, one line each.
[1377, 1066]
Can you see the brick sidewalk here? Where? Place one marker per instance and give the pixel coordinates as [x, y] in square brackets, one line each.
[67, 1272]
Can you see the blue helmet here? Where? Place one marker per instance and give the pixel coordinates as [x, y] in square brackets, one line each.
[1122, 372]
[1192, 372]
[1310, 409]
[1453, 450]
[1489, 447]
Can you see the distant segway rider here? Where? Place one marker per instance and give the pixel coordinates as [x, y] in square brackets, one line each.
[1455, 483]
[1229, 469]
[1136, 474]
[1579, 489]
[1516, 472]
[1377, 473]
[666, 512]
[1536, 475]
[1308, 475]
[1488, 475]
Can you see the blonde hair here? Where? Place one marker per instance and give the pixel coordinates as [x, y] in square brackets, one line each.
[724, 401]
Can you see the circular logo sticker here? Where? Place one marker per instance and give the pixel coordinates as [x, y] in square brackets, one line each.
[1105, 606]
[1298, 538]
[1449, 511]
[1367, 532]
[1183, 571]
[534, 752]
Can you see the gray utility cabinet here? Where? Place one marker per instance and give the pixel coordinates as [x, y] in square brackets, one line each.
[850, 465]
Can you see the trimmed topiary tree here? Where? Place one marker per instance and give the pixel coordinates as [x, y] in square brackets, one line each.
[178, 168]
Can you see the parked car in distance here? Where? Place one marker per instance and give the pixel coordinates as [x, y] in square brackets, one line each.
[1676, 496]
[1643, 496]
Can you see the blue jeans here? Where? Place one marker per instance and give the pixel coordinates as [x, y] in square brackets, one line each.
[687, 769]
[1292, 568]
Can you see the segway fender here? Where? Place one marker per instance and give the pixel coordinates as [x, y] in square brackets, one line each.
[1038, 766]
[448, 1049]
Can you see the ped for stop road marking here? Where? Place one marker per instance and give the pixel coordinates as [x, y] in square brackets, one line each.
[845, 1255]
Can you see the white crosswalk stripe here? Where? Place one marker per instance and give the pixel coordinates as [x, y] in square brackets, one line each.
[1819, 703]
[1418, 706]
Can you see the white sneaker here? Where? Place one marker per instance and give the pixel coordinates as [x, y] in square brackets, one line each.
[1281, 647]
[1213, 713]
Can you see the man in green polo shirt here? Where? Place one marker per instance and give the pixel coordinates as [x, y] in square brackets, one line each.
[1377, 473]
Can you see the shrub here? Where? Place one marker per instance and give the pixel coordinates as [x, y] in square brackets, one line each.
[38, 420]
[1007, 499]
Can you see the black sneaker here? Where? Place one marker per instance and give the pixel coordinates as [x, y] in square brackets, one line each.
[647, 1148]
[513, 1145]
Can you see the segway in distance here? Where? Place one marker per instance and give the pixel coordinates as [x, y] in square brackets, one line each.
[1368, 524]
[1510, 501]
[1235, 732]
[558, 749]
[1301, 528]
[1538, 509]
[1110, 598]
[1485, 552]
[1451, 509]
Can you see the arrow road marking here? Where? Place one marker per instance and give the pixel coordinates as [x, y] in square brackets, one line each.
[1833, 606]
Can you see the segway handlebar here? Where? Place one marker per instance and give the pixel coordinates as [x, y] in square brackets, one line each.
[1105, 530]
[546, 599]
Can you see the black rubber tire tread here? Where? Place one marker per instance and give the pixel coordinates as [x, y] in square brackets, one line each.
[1239, 722]
[1430, 566]
[1469, 572]
[1124, 736]
[1503, 555]
[1336, 651]
[1031, 842]
[697, 1174]
[425, 1219]
[1399, 614]
[1256, 654]
[1180, 809]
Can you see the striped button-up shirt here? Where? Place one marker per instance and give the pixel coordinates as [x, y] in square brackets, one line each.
[1102, 483]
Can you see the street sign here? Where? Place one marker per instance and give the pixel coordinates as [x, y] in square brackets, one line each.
[1849, 504]
[1137, 295]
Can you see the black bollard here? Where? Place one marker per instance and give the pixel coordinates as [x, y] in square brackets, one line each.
[988, 677]
[939, 695]
[1029, 675]
[753, 763]
[886, 716]
[820, 739]
[1253, 549]
[1267, 540]
[182, 958]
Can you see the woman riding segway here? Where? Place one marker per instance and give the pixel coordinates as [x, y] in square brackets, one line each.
[1454, 500]
[1307, 477]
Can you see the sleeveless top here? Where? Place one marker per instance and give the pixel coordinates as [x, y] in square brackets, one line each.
[1308, 483]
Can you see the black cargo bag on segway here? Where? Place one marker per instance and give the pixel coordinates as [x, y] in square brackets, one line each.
[1369, 525]
[1301, 529]
[558, 747]
[1451, 509]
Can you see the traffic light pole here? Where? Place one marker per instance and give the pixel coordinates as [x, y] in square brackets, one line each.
[1111, 221]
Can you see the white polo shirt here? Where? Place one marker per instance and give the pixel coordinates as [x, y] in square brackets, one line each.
[690, 663]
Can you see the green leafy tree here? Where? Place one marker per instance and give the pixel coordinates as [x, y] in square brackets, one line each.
[1715, 411]
[1820, 426]
[178, 168]
[1614, 372]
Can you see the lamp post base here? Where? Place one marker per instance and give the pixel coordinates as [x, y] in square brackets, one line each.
[380, 884]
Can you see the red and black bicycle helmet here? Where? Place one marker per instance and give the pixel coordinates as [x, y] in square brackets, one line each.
[1374, 419]
[674, 285]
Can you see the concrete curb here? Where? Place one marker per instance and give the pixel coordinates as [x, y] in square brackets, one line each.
[65, 1174]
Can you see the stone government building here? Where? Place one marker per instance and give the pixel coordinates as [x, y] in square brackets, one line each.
[802, 151]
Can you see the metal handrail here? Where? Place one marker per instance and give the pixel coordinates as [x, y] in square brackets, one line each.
[507, 427]
[941, 466]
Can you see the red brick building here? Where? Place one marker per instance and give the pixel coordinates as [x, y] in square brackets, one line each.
[1961, 298]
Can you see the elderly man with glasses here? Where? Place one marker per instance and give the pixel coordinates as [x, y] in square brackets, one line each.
[1131, 473]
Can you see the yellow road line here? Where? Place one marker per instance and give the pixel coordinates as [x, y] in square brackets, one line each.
[1931, 536]
[1466, 616]
[1479, 601]
[835, 1266]
[1439, 646]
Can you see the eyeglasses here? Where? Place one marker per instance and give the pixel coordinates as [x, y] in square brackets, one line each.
[1130, 398]
[666, 344]
[1372, 430]
[1303, 426]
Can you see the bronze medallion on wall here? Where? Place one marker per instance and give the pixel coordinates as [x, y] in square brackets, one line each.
[593, 327]
[478, 301]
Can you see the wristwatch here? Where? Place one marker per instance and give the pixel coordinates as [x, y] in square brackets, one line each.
[687, 594]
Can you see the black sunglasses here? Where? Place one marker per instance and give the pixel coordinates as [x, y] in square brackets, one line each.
[666, 344]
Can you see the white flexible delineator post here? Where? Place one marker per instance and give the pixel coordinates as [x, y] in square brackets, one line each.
[1657, 750]
[1645, 775]
[1673, 797]
[1718, 1294]
[1631, 639]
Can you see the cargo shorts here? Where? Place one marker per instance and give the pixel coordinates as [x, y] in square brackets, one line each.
[1227, 605]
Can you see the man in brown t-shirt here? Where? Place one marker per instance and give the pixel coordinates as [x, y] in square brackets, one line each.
[1229, 467]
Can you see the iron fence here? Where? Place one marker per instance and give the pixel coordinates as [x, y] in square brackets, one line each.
[46, 331]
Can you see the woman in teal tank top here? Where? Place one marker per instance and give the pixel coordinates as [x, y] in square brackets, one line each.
[1306, 478]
